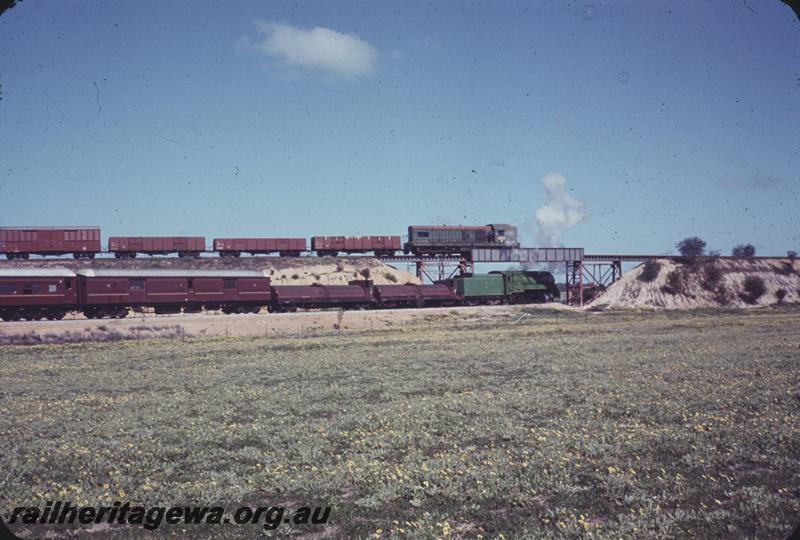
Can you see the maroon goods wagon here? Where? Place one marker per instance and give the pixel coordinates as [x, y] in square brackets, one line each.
[110, 293]
[126, 247]
[409, 295]
[36, 293]
[332, 245]
[439, 294]
[286, 247]
[21, 242]
[391, 296]
[291, 297]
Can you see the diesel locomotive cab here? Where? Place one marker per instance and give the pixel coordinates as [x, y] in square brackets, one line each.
[505, 235]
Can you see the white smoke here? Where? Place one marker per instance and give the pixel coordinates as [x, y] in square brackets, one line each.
[560, 213]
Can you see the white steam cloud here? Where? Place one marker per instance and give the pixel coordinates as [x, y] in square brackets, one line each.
[560, 213]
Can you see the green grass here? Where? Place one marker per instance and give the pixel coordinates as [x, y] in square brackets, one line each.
[627, 425]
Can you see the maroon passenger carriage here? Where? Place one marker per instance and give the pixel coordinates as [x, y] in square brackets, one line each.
[36, 293]
[110, 293]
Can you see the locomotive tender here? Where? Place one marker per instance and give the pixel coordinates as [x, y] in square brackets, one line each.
[20, 243]
[50, 293]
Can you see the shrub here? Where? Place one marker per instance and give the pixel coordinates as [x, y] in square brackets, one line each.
[744, 251]
[691, 247]
[339, 267]
[721, 295]
[675, 283]
[390, 277]
[785, 268]
[295, 276]
[791, 254]
[365, 273]
[650, 271]
[780, 294]
[712, 275]
[754, 289]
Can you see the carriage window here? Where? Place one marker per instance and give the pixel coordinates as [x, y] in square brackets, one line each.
[423, 234]
[27, 288]
[229, 284]
[8, 289]
[191, 284]
[52, 288]
[68, 283]
[137, 284]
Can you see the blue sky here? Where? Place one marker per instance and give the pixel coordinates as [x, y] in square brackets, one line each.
[666, 119]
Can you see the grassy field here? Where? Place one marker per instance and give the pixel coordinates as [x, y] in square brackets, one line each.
[609, 425]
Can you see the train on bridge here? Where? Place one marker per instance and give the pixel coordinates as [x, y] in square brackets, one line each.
[85, 242]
